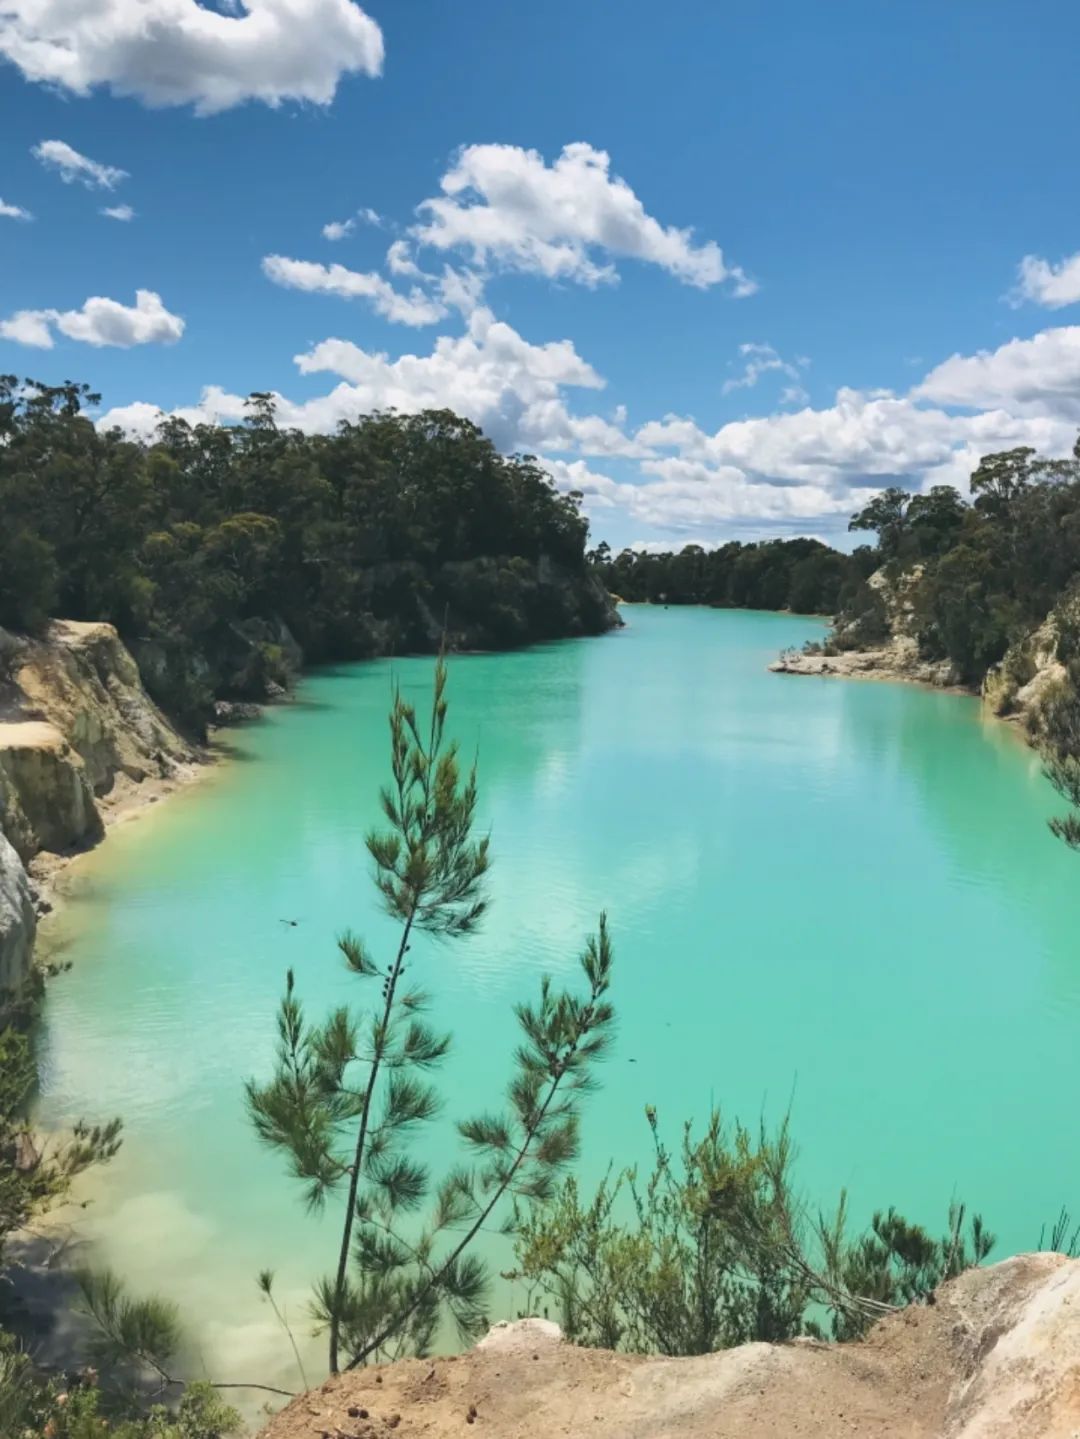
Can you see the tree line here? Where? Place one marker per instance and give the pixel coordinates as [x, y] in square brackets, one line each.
[802, 575]
[200, 543]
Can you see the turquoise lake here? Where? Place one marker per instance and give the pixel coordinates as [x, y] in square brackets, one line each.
[840, 896]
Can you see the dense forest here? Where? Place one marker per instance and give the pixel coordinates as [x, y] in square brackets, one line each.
[801, 575]
[980, 575]
[213, 548]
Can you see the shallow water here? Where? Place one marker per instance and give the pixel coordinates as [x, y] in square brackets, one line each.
[838, 895]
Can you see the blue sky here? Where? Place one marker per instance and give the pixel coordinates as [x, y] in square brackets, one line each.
[877, 200]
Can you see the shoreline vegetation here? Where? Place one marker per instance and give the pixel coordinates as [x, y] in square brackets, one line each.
[200, 573]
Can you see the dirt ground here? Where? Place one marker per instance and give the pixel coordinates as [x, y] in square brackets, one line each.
[926, 1373]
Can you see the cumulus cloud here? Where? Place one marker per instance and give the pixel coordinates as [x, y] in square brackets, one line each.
[119, 212]
[490, 374]
[28, 327]
[1040, 376]
[99, 322]
[570, 476]
[415, 308]
[762, 360]
[70, 165]
[505, 205]
[1047, 284]
[13, 212]
[181, 52]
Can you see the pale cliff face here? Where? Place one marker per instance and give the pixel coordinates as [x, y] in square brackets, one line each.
[18, 921]
[77, 725]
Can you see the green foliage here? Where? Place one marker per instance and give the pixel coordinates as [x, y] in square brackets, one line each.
[36, 1171]
[142, 1332]
[801, 575]
[362, 542]
[77, 1408]
[713, 1249]
[349, 1097]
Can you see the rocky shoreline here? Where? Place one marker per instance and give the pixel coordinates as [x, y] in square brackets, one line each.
[82, 747]
[897, 661]
[1031, 676]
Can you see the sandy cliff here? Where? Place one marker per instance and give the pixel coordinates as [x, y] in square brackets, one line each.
[78, 735]
[996, 1357]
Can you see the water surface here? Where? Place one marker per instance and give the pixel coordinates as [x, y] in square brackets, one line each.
[838, 895]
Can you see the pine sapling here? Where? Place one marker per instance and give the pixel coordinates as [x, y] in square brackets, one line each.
[347, 1096]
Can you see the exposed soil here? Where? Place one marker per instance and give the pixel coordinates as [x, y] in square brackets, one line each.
[926, 1373]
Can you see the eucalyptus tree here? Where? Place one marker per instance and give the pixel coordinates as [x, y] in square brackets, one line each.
[348, 1094]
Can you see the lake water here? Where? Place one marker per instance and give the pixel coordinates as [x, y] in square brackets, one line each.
[841, 896]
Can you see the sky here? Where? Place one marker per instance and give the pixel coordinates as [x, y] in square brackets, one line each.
[727, 269]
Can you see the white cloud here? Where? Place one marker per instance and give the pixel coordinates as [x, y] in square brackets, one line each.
[180, 52]
[338, 229]
[598, 490]
[687, 494]
[490, 374]
[462, 290]
[28, 327]
[864, 439]
[58, 155]
[505, 205]
[1047, 284]
[761, 360]
[399, 259]
[100, 322]
[13, 212]
[1040, 376]
[415, 308]
[216, 406]
[119, 212]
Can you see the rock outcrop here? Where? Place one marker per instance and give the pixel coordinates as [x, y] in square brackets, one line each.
[898, 660]
[892, 655]
[1033, 671]
[996, 1357]
[46, 799]
[18, 919]
[77, 729]
[85, 683]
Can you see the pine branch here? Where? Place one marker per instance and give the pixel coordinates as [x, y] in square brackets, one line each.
[558, 1045]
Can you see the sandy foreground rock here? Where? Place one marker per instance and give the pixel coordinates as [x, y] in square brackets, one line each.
[996, 1357]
